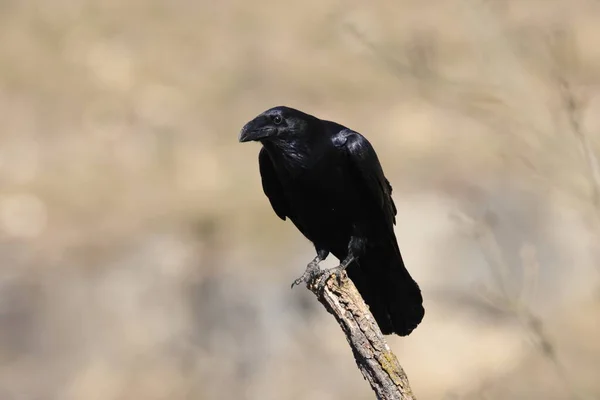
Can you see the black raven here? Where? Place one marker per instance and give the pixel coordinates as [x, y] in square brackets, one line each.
[327, 179]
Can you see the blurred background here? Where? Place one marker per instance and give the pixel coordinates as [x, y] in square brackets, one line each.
[141, 260]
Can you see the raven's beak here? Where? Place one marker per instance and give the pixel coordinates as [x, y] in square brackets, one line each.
[251, 133]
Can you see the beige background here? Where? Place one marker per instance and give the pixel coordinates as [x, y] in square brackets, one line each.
[141, 260]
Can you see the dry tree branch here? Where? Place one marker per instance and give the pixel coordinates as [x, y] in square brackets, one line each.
[516, 305]
[373, 356]
[572, 107]
[564, 59]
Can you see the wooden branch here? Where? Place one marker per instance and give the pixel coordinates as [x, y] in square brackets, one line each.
[371, 352]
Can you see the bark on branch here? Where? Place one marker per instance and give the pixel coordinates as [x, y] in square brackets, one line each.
[373, 356]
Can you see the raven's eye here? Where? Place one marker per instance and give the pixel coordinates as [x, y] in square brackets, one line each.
[277, 119]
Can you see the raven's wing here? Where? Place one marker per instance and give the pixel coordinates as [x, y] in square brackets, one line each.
[380, 276]
[367, 168]
[271, 185]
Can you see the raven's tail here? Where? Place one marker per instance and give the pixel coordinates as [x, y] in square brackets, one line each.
[393, 297]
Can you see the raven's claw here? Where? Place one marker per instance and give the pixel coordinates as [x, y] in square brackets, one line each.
[312, 270]
[337, 271]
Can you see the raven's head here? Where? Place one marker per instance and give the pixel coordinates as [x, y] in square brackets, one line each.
[277, 123]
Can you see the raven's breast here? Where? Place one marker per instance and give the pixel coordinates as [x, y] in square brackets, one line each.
[323, 209]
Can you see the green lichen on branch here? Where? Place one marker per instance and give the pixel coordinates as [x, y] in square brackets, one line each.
[373, 356]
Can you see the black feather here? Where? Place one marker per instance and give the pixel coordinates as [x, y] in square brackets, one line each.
[327, 179]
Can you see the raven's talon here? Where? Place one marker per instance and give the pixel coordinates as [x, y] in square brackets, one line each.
[337, 271]
[340, 279]
[312, 269]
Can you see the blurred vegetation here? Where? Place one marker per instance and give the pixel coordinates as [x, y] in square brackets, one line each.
[141, 259]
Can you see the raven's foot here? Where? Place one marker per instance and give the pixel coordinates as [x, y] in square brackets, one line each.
[312, 270]
[337, 271]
